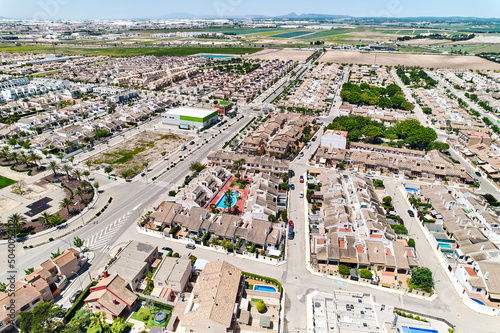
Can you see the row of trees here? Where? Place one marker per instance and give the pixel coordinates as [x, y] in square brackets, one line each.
[21, 157]
[364, 94]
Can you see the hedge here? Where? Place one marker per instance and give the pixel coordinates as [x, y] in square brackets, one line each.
[264, 279]
[78, 303]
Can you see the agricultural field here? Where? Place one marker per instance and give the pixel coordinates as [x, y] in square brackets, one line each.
[131, 157]
[129, 51]
[271, 54]
[423, 60]
[323, 34]
[250, 31]
[292, 34]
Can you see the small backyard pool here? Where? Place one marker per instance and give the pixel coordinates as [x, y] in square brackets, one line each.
[445, 245]
[269, 289]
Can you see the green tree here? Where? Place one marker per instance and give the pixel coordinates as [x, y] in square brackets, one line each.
[55, 219]
[261, 306]
[15, 223]
[119, 325]
[228, 199]
[108, 169]
[344, 270]
[28, 271]
[66, 203]
[56, 254]
[365, 273]
[196, 167]
[421, 277]
[67, 168]
[341, 166]
[44, 318]
[54, 167]
[411, 242]
[78, 242]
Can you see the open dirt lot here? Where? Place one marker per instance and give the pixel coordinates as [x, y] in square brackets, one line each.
[6, 205]
[423, 60]
[295, 55]
[132, 156]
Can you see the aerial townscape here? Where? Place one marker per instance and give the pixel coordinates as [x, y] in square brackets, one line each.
[229, 167]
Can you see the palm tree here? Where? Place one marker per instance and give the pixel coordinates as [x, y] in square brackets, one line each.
[86, 173]
[14, 156]
[237, 166]
[228, 199]
[33, 157]
[44, 219]
[24, 159]
[79, 192]
[4, 153]
[67, 168]
[96, 186]
[54, 167]
[77, 174]
[66, 203]
[15, 222]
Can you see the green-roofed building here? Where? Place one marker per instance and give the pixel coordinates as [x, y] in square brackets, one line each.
[190, 118]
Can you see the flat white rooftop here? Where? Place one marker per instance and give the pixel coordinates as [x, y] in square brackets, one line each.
[191, 112]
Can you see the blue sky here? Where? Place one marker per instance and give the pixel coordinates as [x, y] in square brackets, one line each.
[71, 9]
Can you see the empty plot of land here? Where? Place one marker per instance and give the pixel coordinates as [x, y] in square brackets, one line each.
[295, 55]
[6, 205]
[131, 157]
[423, 60]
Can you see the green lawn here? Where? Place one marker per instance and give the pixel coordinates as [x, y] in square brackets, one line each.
[129, 51]
[4, 181]
[150, 322]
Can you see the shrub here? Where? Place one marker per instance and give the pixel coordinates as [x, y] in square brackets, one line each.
[145, 316]
[261, 306]
[411, 242]
[51, 239]
[365, 273]
[32, 232]
[110, 199]
[344, 270]
[176, 255]
[98, 213]
[172, 193]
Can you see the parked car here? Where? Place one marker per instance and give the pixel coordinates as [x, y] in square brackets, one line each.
[301, 179]
[301, 154]
[292, 187]
[290, 223]
[191, 143]
[301, 194]
[478, 173]
[313, 138]
[75, 296]
[190, 246]
[183, 148]
[410, 212]
[167, 249]
[291, 235]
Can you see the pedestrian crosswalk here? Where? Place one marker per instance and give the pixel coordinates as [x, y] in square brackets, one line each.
[100, 241]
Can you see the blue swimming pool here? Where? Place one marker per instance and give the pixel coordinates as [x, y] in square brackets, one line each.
[214, 56]
[269, 289]
[477, 301]
[409, 189]
[222, 201]
[407, 329]
[445, 245]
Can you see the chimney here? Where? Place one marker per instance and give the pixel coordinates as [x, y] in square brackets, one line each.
[468, 232]
[115, 301]
[486, 275]
[482, 248]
